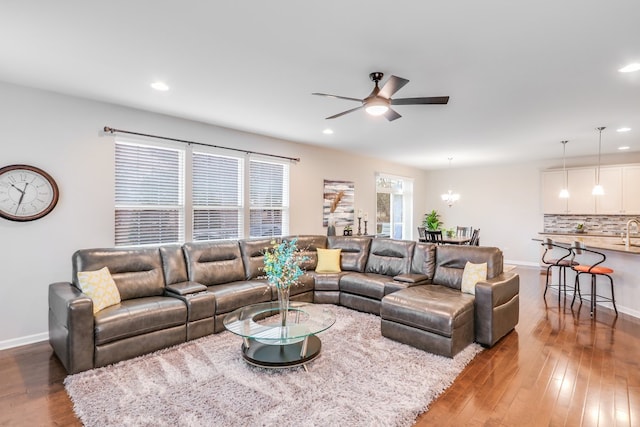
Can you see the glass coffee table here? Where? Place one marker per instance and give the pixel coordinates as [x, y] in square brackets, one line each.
[268, 344]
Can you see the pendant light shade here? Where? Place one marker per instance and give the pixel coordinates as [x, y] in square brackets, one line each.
[598, 190]
[564, 193]
[450, 197]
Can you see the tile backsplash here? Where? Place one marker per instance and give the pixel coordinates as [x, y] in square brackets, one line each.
[606, 225]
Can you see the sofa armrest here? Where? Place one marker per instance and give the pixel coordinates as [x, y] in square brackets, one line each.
[497, 307]
[412, 278]
[185, 288]
[71, 326]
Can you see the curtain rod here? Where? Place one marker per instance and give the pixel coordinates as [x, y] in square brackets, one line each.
[111, 130]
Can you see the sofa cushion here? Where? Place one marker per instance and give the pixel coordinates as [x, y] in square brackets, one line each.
[214, 263]
[364, 284]
[451, 259]
[436, 309]
[253, 256]
[390, 257]
[328, 260]
[138, 316]
[230, 296]
[137, 272]
[174, 265]
[100, 287]
[472, 274]
[355, 251]
[307, 245]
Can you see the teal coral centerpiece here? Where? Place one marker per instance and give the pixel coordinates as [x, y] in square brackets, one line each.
[282, 267]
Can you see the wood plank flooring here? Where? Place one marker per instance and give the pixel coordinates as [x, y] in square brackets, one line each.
[559, 367]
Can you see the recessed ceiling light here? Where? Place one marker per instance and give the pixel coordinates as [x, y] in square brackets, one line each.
[161, 86]
[623, 129]
[328, 131]
[624, 147]
[630, 68]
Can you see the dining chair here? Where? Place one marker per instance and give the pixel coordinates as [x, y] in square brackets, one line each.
[422, 235]
[596, 270]
[434, 236]
[464, 231]
[562, 263]
[475, 238]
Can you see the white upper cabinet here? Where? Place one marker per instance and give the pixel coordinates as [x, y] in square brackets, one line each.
[621, 191]
[631, 190]
[581, 182]
[552, 183]
[611, 201]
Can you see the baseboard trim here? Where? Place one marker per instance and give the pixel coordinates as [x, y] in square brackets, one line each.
[20, 341]
[521, 263]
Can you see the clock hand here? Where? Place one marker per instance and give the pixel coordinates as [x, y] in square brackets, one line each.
[21, 196]
[22, 191]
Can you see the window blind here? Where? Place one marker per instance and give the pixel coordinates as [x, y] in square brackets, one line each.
[217, 197]
[269, 199]
[149, 205]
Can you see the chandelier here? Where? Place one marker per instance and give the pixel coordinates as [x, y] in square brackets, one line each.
[450, 197]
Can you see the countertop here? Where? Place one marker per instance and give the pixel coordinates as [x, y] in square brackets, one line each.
[610, 243]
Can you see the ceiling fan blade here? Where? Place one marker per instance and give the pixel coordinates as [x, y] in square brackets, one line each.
[424, 100]
[337, 96]
[391, 115]
[344, 112]
[392, 85]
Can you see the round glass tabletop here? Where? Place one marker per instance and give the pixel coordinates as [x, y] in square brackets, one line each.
[262, 322]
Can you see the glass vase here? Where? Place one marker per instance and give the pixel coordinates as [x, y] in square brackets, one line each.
[283, 302]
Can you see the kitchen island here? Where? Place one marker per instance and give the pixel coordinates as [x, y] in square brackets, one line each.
[624, 260]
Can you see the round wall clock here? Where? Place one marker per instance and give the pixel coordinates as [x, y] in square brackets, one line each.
[26, 193]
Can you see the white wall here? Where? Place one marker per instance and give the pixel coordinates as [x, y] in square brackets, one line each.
[62, 135]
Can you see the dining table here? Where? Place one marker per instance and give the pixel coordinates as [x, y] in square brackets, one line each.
[456, 240]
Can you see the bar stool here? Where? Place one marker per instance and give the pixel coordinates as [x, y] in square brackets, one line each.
[561, 263]
[594, 270]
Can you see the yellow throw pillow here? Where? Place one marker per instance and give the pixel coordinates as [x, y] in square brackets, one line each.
[328, 261]
[473, 273]
[100, 287]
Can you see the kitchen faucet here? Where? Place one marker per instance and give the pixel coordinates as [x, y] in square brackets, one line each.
[627, 241]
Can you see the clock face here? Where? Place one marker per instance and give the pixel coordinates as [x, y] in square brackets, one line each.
[26, 193]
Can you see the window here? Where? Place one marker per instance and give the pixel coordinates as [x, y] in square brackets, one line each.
[394, 207]
[217, 197]
[269, 199]
[157, 184]
[149, 206]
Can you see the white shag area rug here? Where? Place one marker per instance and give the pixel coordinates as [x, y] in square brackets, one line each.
[360, 379]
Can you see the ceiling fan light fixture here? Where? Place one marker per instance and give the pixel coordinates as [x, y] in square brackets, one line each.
[630, 68]
[377, 107]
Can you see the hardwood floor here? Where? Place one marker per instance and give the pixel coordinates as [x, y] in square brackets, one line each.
[559, 367]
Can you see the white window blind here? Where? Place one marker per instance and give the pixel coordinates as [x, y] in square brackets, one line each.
[149, 205]
[269, 199]
[217, 197]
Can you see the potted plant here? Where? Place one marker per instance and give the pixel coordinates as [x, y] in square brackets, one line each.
[347, 231]
[432, 220]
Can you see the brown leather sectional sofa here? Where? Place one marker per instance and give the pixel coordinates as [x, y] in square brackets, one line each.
[175, 293]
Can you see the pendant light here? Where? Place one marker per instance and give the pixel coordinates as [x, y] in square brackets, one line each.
[564, 193]
[450, 197]
[598, 190]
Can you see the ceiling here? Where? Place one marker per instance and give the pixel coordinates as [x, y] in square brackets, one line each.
[522, 76]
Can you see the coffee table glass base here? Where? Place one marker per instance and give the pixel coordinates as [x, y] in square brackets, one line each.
[281, 356]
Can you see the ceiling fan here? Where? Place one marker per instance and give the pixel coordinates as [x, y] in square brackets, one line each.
[379, 101]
